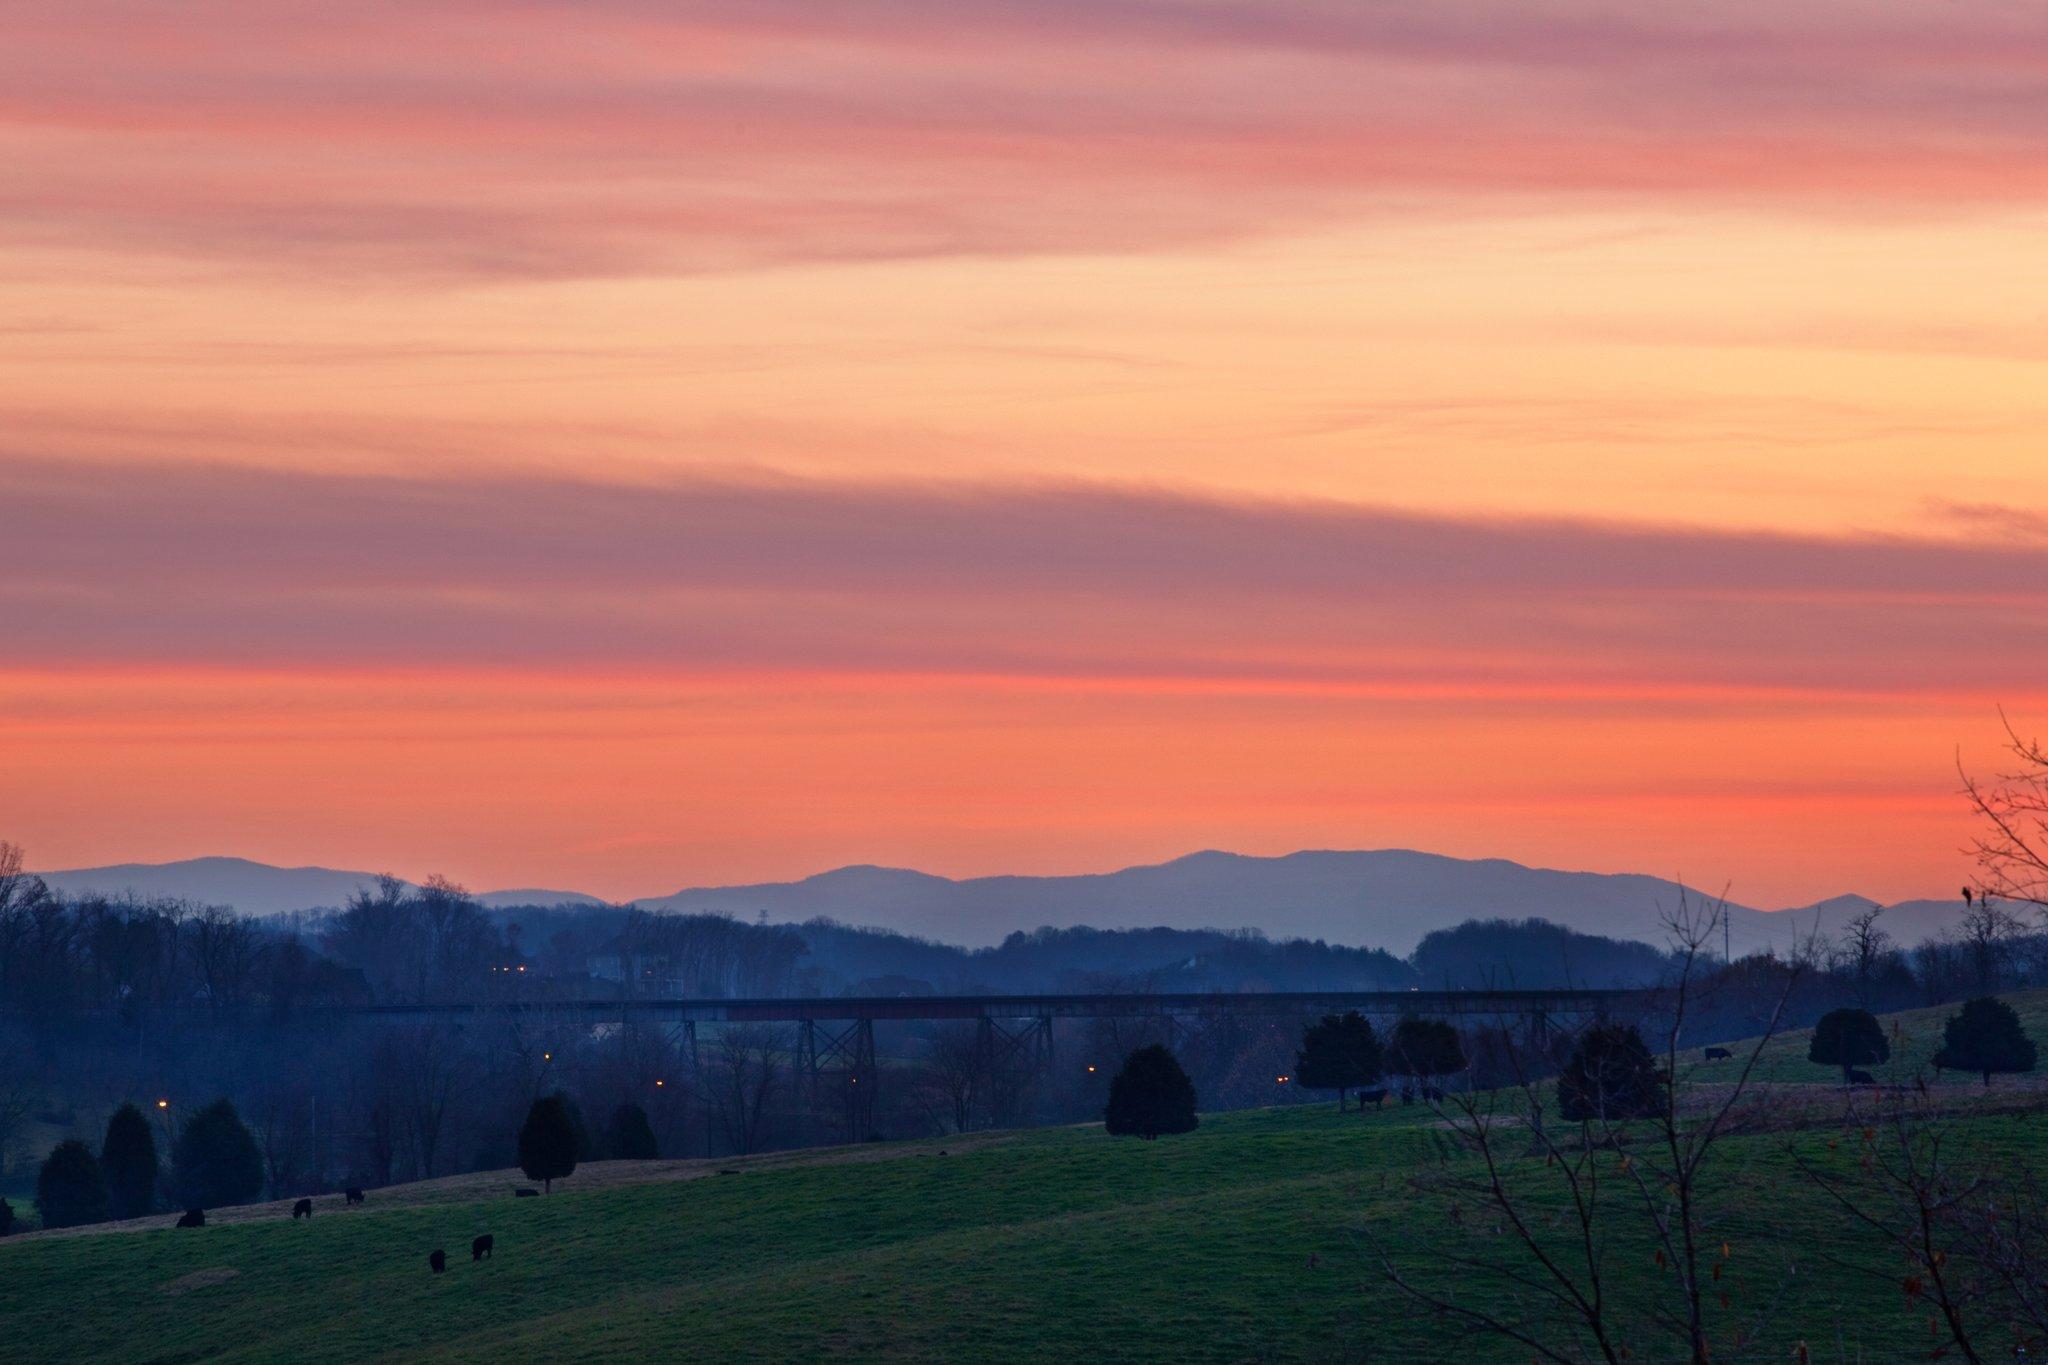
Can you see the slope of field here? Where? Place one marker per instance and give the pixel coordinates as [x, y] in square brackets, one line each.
[1030, 1246]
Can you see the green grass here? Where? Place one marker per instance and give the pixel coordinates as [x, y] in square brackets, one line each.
[1045, 1245]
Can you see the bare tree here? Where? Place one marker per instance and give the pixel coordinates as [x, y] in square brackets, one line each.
[2012, 852]
[956, 1077]
[1514, 1163]
[1989, 938]
[1863, 949]
[224, 949]
[420, 1072]
[741, 1078]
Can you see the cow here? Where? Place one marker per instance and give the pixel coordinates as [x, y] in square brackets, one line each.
[480, 1248]
[352, 1195]
[1861, 1077]
[525, 1192]
[1374, 1097]
[1407, 1095]
[192, 1218]
[1718, 1054]
[437, 1261]
[1430, 1092]
[303, 1209]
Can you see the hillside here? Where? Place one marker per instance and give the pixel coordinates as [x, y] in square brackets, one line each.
[1038, 1245]
[1377, 898]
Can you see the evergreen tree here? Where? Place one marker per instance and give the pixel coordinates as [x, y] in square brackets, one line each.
[1338, 1054]
[1848, 1038]
[1985, 1036]
[547, 1141]
[1425, 1049]
[128, 1161]
[1610, 1075]
[631, 1136]
[215, 1161]
[69, 1188]
[586, 1144]
[1150, 1095]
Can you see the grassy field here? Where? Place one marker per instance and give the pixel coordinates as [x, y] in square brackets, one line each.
[1033, 1245]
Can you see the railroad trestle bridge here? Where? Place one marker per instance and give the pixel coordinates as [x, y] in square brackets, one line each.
[1013, 1033]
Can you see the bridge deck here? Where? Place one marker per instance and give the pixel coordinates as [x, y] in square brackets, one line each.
[1084, 1006]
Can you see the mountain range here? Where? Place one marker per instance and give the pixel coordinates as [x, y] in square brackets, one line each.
[1385, 898]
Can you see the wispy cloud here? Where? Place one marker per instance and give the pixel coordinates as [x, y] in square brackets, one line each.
[211, 566]
[544, 141]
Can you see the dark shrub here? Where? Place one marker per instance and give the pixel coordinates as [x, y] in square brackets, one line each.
[69, 1189]
[1150, 1095]
[630, 1136]
[1985, 1036]
[128, 1161]
[215, 1161]
[1610, 1075]
[547, 1141]
[1848, 1038]
[1338, 1053]
[1425, 1048]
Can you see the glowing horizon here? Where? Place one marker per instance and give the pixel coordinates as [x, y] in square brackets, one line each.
[620, 446]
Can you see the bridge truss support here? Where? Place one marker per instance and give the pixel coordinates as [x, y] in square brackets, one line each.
[839, 1063]
[1012, 1054]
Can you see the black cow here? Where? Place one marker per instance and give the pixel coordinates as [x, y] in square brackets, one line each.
[1407, 1095]
[480, 1248]
[1718, 1054]
[438, 1261]
[1375, 1097]
[303, 1209]
[352, 1195]
[192, 1218]
[1861, 1077]
[1430, 1092]
[526, 1192]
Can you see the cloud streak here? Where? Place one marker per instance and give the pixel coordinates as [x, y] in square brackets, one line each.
[545, 141]
[203, 565]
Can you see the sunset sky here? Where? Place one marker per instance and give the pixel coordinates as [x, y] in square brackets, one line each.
[625, 445]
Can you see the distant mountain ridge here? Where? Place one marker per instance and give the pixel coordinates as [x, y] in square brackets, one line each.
[254, 888]
[1383, 898]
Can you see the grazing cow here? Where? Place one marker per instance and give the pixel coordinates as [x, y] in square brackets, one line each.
[437, 1261]
[192, 1218]
[1374, 1097]
[1861, 1077]
[303, 1209]
[526, 1192]
[1718, 1054]
[480, 1248]
[352, 1195]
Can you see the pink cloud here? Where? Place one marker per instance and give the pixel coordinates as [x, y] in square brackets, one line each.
[209, 566]
[544, 140]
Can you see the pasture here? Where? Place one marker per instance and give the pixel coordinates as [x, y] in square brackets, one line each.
[1039, 1245]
